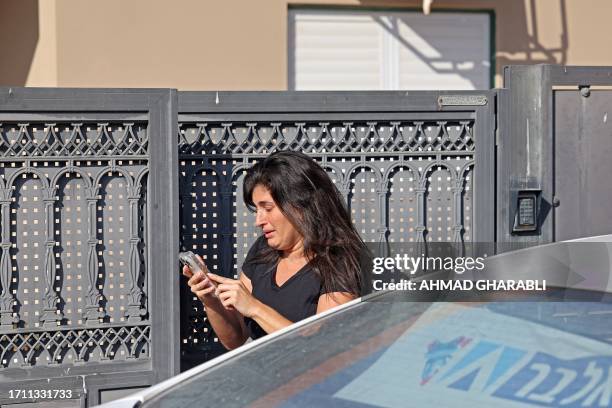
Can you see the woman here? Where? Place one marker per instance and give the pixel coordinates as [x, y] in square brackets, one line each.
[307, 260]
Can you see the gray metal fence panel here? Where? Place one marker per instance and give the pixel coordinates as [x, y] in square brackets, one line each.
[90, 222]
[583, 147]
[88, 238]
[412, 166]
[527, 142]
[90, 217]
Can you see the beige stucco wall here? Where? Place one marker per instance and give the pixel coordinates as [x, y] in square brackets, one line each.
[242, 44]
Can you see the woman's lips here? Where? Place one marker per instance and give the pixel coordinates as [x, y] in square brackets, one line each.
[268, 234]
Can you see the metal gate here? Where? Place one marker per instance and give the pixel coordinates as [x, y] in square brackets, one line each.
[100, 188]
[555, 139]
[90, 219]
[412, 166]
[88, 237]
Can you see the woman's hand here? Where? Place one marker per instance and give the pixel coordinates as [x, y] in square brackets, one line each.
[199, 284]
[233, 294]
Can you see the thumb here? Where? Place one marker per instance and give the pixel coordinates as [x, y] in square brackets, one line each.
[187, 272]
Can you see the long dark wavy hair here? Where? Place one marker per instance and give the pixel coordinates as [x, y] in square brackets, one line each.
[311, 202]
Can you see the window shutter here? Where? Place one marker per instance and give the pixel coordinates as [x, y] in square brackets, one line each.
[367, 50]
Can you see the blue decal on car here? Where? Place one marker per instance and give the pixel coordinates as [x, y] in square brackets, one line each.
[539, 379]
[438, 354]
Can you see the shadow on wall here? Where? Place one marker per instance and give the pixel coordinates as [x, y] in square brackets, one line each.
[526, 46]
[427, 44]
[517, 41]
[518, 38]
[18, 38]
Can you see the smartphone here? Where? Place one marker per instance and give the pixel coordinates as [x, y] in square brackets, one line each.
[188, 258]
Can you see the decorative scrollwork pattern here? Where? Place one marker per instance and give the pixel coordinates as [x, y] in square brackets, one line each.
[25, 140]
[327, 137]
[74, 346]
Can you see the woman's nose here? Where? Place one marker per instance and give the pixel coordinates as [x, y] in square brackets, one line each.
[259, 218]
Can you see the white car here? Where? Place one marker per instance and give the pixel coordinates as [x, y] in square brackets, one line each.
[551, 349]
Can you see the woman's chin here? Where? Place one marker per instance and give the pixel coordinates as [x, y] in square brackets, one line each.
[272, 242]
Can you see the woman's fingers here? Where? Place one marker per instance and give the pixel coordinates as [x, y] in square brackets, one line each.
[205, 283]
[228, 302]
[227, 287]
[224, 296]
[202, 292]
[203, 289]
[193, 280]
[198, 283]
[220, 279]
[202, 284]
[196, 278]
[224, 287]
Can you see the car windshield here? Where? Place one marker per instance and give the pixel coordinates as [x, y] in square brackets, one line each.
[392, 353]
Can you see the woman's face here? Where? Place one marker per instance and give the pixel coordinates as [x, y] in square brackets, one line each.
[278, 230]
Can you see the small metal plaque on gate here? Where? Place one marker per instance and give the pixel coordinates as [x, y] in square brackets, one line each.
[462, 100]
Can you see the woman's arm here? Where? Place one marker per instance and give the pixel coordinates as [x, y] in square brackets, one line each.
[329, 300]
[237, 294]
[270, 320]
[228, 324]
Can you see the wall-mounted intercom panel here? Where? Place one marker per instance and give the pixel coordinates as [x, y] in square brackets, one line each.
[525, 206]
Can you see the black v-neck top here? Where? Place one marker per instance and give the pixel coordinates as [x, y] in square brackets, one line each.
[295, 299]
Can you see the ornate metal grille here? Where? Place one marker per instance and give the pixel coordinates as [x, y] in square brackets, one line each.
[74, 346]
[73, 240]
[404, 181]
[73, 140]
[326, 137]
